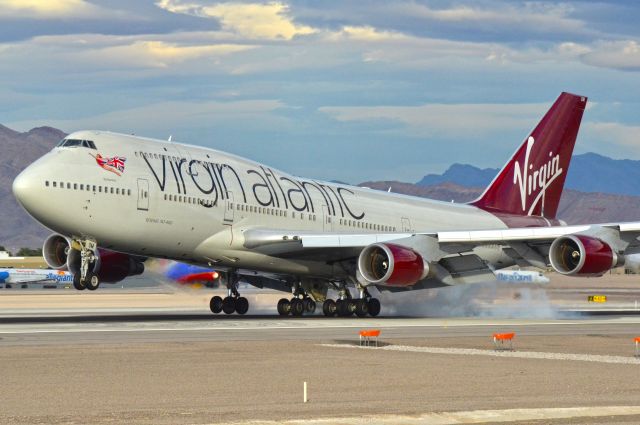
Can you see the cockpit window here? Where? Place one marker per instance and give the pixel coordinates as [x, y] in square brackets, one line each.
[72, 143]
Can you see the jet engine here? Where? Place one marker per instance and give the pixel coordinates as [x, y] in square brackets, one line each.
[110, 266]
[56, 251]
[391, 265]
[579, 255]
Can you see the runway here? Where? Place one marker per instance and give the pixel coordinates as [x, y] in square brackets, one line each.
[118, 327]
[161, 358]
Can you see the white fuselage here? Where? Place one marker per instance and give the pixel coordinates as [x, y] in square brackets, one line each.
[193, 204]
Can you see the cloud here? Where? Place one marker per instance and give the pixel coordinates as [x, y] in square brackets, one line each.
[623, 54]
[443, 120]
[99, 53]
[165, 116]
[250, 20]
[47, 9]
[603, 134]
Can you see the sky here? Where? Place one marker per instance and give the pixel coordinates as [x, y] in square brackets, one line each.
[334, 90]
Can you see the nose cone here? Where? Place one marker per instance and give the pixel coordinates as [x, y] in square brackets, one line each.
[21, 186]
[24, 189]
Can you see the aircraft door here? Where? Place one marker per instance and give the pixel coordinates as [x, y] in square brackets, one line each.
[228, 209]
[327, 221]
[406, 224]
[143, 195]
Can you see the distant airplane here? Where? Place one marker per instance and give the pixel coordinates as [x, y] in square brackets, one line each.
[115, 199]
[521, 276]
[190, 274]
[20, 276]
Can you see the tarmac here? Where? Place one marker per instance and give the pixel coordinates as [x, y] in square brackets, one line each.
[159, 357]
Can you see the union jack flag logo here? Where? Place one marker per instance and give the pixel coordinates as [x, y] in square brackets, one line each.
[114, 164]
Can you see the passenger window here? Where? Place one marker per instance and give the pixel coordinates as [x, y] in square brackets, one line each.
[81, 187]
[118, 191]
[54, 184]
[111, 190]
[46, 183]
[68, 185]
[129, 192]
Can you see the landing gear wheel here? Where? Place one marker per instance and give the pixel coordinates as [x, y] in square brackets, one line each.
[329, 308]
[92, 281]
[297, 307]
[215, 304]
[343, 308]
[362, 308]
[284, 307]
[77, 283]
[229, 305]
[309, 305]
[242, 305]
[374, 307]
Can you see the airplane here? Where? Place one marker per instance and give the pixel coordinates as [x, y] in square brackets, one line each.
[115, 199]
[189, 274]
[9, 276]
[521, 276]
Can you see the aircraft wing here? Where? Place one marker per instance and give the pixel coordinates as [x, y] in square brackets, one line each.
[459, 251]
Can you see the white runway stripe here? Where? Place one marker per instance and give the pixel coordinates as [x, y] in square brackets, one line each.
[493, 353]
[470, 417]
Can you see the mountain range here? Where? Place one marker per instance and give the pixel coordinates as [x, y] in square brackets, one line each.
[613, 196]
[615, 176]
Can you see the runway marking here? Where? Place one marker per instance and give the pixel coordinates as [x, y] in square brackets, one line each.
[301, 325]
[469, 417]
[494, 353]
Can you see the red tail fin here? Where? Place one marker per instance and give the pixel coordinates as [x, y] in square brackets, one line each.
[531, 183]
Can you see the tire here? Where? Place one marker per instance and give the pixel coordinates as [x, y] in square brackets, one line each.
[92, 282]
[374, 307]
[309, 305]
[284, 307]
[242, 305]
[351, 307]
[297, 307]
[215, 304]
[362, 308]
[77, 283]
[329, 308]
[342, 307]
[229, 305]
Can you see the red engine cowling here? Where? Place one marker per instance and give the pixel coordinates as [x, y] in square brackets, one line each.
[391, 265]
[579, 255]
[114, 266]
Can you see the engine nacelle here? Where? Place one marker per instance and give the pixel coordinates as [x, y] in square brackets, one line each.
[391, 265]
[579, 255]
[110, 266]
[56, 251]
[114, 266]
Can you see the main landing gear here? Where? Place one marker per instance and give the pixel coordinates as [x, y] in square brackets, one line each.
[85, 278]
[300, 304]
[233, 302]
[346, 306]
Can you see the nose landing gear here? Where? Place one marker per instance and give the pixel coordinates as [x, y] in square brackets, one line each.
[84, 277]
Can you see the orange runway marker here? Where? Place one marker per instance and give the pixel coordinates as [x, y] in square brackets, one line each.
[369, 335]
[502, 339]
